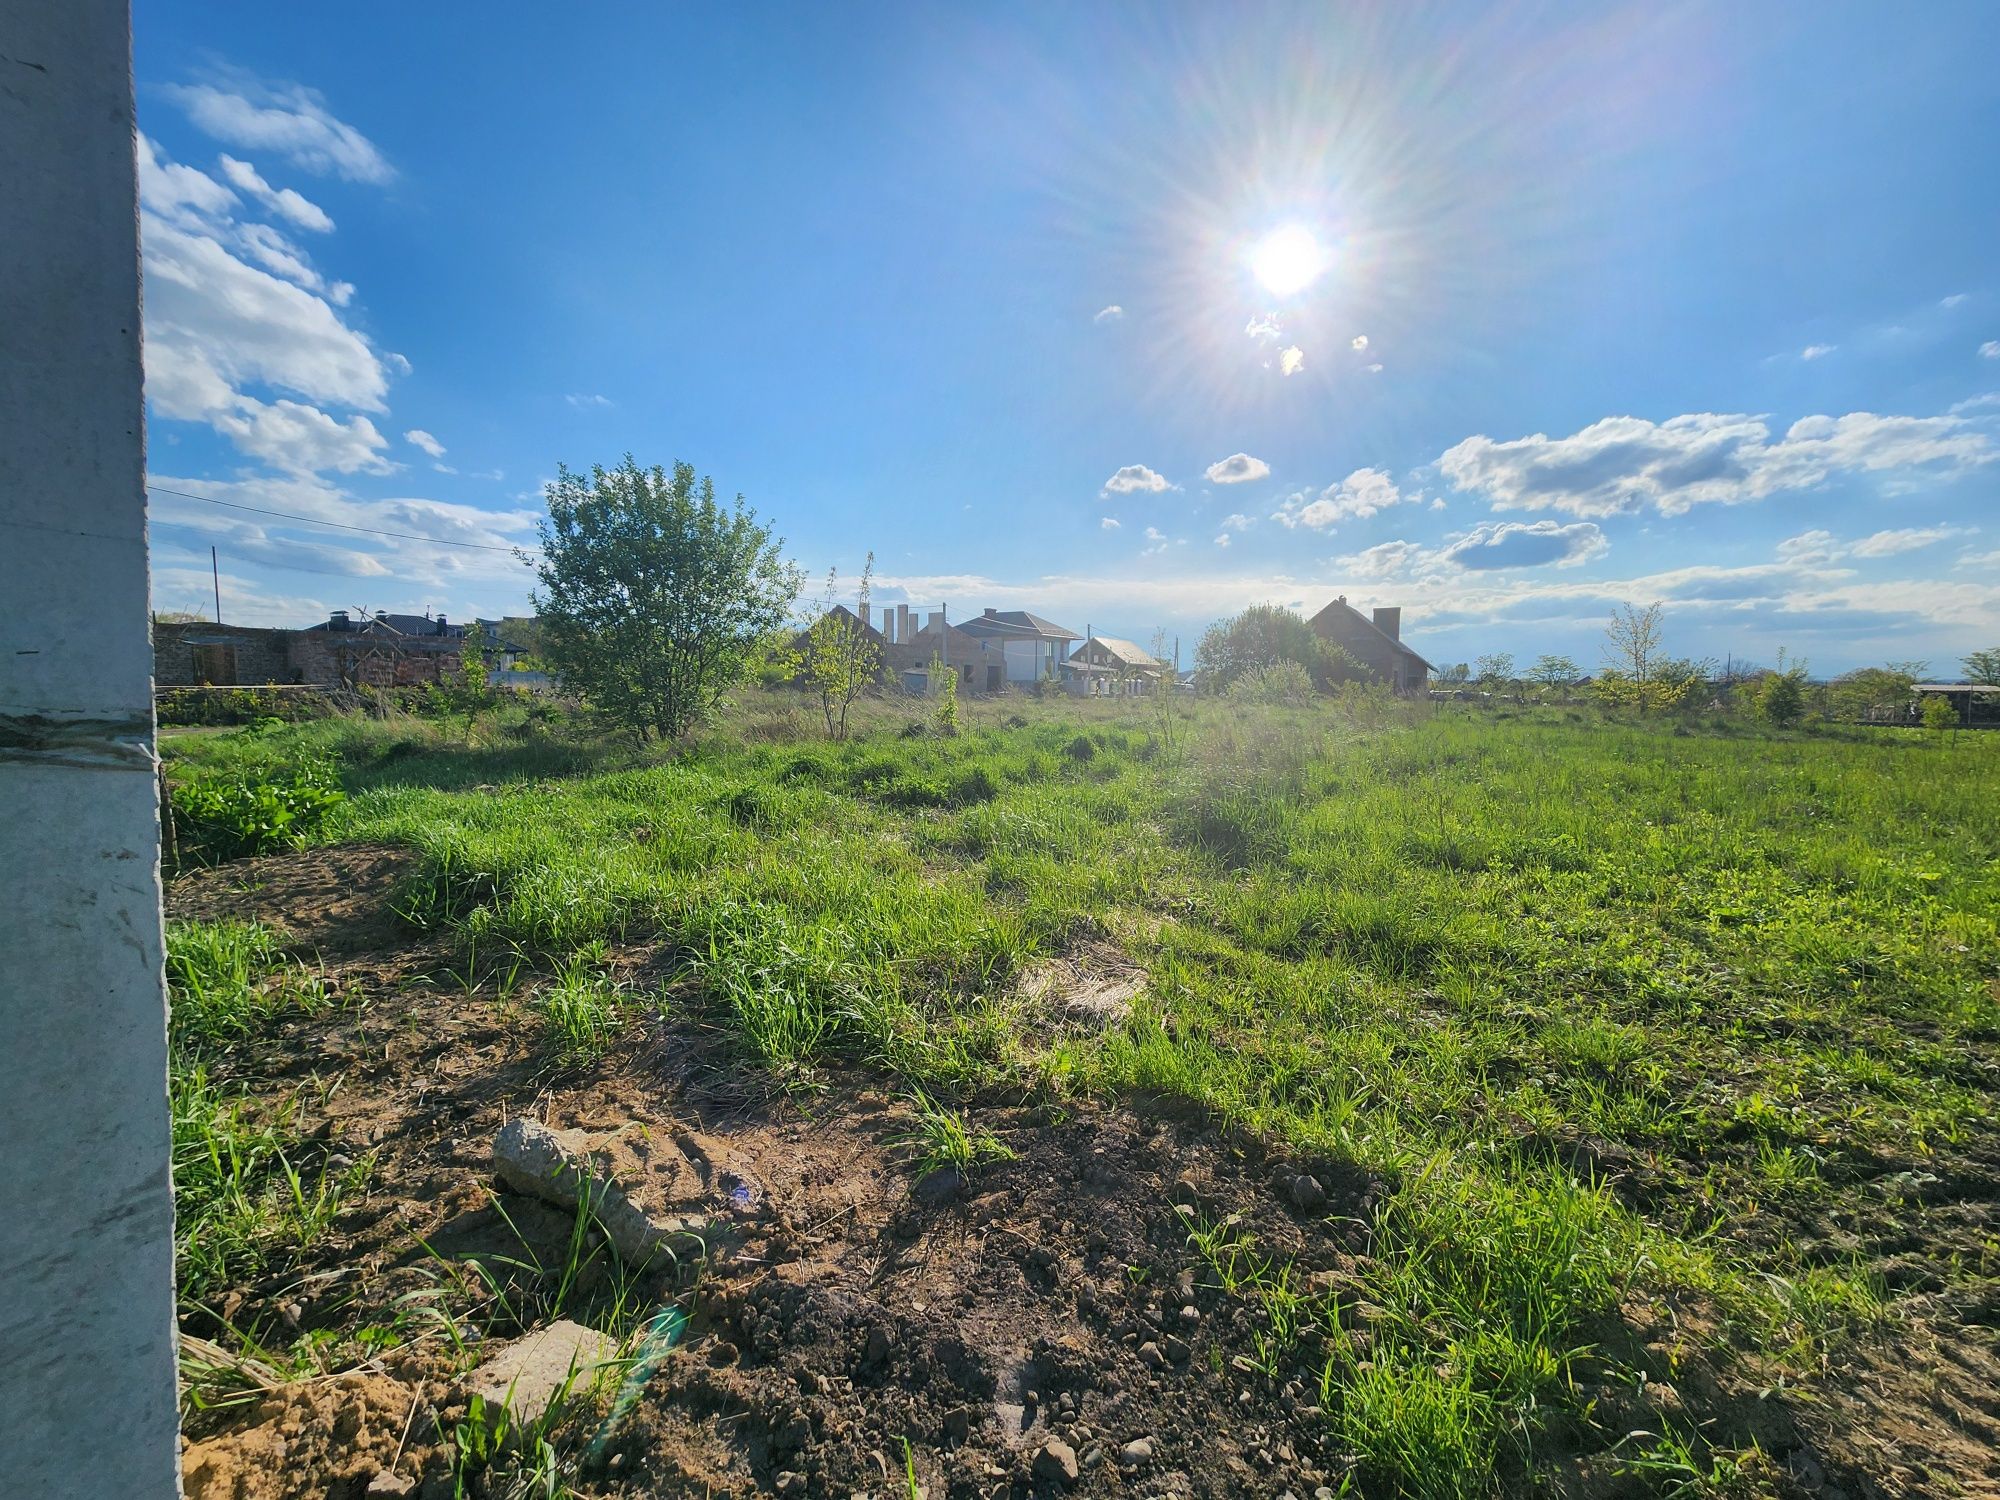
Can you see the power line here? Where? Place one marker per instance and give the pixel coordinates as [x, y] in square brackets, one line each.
[283, 515]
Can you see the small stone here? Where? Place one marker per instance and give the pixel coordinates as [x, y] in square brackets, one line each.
[1056, 1463]
[1307, 1194]
[958, 1424]
[880, 1342]
[722, 1352]
[1151, 1357]
[1190, 1316]
[938, 1186]
[386, 1483]
[791, 1483]
[1136, 1453]
[527, 1375]
[1178, 1349]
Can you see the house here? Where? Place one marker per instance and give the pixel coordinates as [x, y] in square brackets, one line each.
[1106, 667]
[382, 650]
[1976, 704]
[1377, 644]
[1030, 649]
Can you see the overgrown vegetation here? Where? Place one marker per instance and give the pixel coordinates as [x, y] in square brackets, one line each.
[1614, 1011]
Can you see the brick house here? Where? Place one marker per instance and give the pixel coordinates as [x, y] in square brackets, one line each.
[1376, 643]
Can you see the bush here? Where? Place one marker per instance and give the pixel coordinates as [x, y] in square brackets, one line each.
[1284, 682]
[250, 809]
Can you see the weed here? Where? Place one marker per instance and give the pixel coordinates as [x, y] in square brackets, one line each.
[941, 1137]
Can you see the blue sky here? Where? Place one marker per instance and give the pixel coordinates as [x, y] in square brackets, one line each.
[1700, 307]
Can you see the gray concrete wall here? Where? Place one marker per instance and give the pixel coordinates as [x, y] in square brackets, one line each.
[87, 1396]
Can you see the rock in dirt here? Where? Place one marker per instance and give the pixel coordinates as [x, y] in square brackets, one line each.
[1307, 1193]
[1151, 1357]
[557, 1167]
[938, 1187]
[1056, 1463]
[527, 1375]
[1137, 1453]
[388, 1484]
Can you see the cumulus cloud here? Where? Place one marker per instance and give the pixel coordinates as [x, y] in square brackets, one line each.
[1384, 560]
[1109, 523]
[1364, 493]
[1360, 342]
[1494, 545]
[1156, 542]
[174, 191]
[416, 437]
[1222, 539]
[1237, 523]
[286, 119]
[1135, 478]
[286, 204]
[1817, 351]
[1905, 539]
[1292, 360]
[1990, 349]
[1109, 314]
[1264, 326]
[300, 438]
[1621, 463]
[1238, 468]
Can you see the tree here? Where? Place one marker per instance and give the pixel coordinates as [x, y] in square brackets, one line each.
[1456, 672]
[947, 708]
[1495, 672]
[838, 655]
[1781, 694]
[653, 596]
[1983, 666]
[1554, 673]
[1938, 716]
[1636, 675]
[1264, 635]
[1876, 692]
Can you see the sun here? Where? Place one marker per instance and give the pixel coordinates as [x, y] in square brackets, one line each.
[1287, 260]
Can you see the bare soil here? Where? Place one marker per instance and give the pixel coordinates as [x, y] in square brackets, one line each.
[843, 1322]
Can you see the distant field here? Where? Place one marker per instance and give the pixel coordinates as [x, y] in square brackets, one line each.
[1671, 1049]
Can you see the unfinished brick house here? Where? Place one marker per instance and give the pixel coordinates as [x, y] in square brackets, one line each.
[1376, 643]
[382, 650]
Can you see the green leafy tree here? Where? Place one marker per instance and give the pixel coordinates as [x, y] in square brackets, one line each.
[1456, 673]
[1781, 693]
[1876, 692]
[838, 655]
[1264, 635]
[1495, 672]
[1556, 674]
[1983, 666]
[1638, 674]
[947, 708]
[1938, 716]
[654, 597]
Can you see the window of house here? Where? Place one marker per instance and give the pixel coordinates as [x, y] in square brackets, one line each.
[215, 666]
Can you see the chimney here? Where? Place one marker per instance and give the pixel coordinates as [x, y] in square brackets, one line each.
[865, 611]
[337, 620]
[903, 631]
[936, 620]
[991, 613]
[1390, 622]
[442, 628]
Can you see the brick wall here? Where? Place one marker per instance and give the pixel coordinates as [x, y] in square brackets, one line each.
[244, 656]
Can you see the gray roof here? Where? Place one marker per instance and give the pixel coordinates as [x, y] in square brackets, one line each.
[387, 624]
[1123, 651]
[1016, 624]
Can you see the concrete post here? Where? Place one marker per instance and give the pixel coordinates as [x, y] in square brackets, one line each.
[87, 1398]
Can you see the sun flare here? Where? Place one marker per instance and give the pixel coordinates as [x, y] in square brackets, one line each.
[1287, 260]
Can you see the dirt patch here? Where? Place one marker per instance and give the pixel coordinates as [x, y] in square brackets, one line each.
[336, 900]
[847, 1315]
[1089, 989]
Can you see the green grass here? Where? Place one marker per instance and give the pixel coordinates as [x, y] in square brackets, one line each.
[1609, 1009]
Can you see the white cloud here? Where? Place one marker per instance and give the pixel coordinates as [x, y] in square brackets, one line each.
[416, 437]
[1238, 468]
[1907, 539]
[1109, 523]
[1360, 342]
[1222, 539]
[1364, 493]
[583, 402]
[1135, 477]
[213, 320]
[283, 202]
[1978, 560]
[1817, 351]
[174, 191]
[286, 119]
[300, 438]
[1621, 463]
[1237, 522]
[1109, 314]
[1384, 560]
[1374, 369]
[1292, 360]
[1990, 349]
[1952, 301]
[1264, 326]
[1810, 549]
[1157, 542]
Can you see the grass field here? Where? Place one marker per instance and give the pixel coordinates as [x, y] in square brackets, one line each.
[1639, 1026]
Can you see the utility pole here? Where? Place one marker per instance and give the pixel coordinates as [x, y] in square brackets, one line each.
[215, 576]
